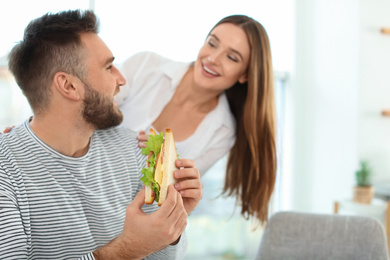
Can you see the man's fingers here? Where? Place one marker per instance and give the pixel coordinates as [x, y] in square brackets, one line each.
[139, 199]
[178, 214]
[181, 223]
[170, 202]
[172, 215]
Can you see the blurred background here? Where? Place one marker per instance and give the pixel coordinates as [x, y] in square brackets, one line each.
[332, 67]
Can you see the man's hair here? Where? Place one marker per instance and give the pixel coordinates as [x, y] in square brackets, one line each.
[51, 43]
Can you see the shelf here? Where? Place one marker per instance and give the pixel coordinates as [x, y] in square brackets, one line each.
[386, 112]
[385, 30]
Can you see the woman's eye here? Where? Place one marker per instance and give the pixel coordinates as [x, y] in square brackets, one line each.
[232, 58]
[211, 44]
[109, 67]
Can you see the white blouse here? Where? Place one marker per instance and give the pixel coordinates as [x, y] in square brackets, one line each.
[151, 83]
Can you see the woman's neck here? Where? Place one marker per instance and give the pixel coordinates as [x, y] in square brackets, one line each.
[190, 95]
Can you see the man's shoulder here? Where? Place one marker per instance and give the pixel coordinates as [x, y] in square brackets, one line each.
[12, 138]
[13, 148]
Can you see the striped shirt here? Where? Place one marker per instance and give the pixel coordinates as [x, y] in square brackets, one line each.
[54, 206]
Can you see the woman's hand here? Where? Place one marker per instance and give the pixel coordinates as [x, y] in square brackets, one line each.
[142, 137]
[188, 183]
[7, 129]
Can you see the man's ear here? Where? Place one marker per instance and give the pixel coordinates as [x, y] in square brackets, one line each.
[243, 78]
[67, 85]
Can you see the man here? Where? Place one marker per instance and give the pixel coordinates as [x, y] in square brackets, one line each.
[68, 188]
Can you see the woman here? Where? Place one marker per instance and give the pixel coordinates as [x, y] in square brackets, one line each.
[223, 101]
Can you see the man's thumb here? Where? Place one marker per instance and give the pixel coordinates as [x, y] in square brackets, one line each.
[139, 199]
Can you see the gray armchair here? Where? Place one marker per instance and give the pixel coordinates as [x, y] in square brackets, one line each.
[301, 236]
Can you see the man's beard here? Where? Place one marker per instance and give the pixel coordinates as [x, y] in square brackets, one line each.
[99, 110]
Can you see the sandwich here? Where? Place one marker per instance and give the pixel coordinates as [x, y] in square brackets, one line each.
[160, 166]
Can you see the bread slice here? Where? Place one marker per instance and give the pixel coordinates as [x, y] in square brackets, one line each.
[168, 165]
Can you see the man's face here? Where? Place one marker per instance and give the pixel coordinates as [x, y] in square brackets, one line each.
[99, 109]
[101, 85]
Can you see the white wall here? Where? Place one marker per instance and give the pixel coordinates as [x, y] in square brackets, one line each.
[340, 85]
[177, 29]
[374, 129]
[323, 107]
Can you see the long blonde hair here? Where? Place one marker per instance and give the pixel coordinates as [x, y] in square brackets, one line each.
[251, 167]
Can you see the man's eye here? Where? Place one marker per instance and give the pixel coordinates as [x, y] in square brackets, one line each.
[109, 67]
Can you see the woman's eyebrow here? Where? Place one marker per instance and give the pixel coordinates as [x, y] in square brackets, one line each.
[233, 50]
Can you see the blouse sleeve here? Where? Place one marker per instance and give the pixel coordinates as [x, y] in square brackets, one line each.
[221, 145]
[130, 68]
[133, 69]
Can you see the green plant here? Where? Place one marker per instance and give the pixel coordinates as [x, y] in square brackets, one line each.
[363, 175]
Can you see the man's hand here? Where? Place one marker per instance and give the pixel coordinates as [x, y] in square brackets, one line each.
[189, 184]
[145, 234]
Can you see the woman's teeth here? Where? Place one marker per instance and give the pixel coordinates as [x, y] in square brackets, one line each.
[210, 71]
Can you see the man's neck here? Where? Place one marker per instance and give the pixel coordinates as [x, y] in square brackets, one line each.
[65, 136]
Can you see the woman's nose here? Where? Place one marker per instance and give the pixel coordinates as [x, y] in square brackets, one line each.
[214, 57]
